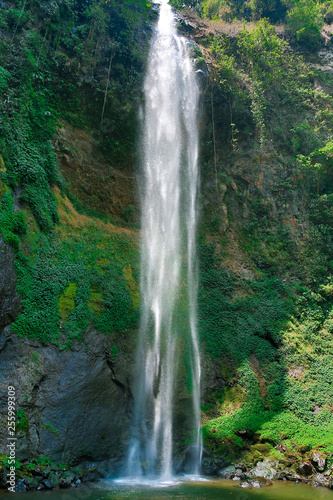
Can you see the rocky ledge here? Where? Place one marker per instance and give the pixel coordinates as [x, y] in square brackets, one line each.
[35, 476]
[301, 466]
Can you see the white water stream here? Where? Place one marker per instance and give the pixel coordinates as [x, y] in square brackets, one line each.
[168, 262]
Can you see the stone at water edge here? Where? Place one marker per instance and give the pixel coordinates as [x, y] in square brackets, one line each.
[256, 483]
[53, 478]
[213, 466]
[266, 469]
[47, 485]
[319, 480]
[66, 480]
[227, 472]
[90, 476]
[31, 483]
[20, 487]
[245, 484]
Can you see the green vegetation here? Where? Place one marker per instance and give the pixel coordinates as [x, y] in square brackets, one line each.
[22, 422]
[11, 224]
[267, 159]
[304, 19]
[271, 326]
[67, 301]
[278, 340]
[60, 284]
[240, 326]
[51, 429]
[51, 60]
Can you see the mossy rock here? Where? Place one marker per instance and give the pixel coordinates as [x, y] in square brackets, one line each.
[287, 462]
[232, 400]
[132, 286]
[302, 449]
[67, 301]
[96, 302]
[260, 448]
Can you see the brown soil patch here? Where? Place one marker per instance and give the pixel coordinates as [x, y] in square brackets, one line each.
[69, 218]
[257, 371]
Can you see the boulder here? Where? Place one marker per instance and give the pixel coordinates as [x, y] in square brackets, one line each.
[318, 460]
[20, 486]
[245, 484]
[45, 472]
[66, 479]
[319, 480]
[47, 484]
[55, 377]
[36, 471]
[227, 472]
[242, 467]
[294, 477]
[211, 465]
[31, 483]
[304, 468]
[266, 469]
[208, 467]
[90, 476]
[255, 483]
[53, 478]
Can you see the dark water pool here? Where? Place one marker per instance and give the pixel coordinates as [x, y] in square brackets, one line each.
[194, 490]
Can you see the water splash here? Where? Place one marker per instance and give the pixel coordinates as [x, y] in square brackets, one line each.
[168, 266]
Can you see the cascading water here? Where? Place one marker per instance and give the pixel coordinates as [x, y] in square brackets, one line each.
[168, 265]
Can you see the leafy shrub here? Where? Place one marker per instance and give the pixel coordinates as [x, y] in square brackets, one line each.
[4, 77]
[305, 22]
[11, 224]
[274, 10]
[211, 8]
[241, 326]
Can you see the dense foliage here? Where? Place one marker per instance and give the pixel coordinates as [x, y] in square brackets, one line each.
[78, 62]
[303, 19]
[272, 330]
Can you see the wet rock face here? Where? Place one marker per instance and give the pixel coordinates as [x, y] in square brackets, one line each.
[66, 479]
[212, 379]
[78, 402]
[10, 303]
[213, 466]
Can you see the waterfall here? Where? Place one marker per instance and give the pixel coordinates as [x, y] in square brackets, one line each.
[168, 329]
